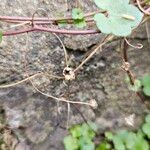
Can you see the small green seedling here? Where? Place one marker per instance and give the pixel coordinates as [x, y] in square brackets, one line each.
[81, 137]
[78, 17]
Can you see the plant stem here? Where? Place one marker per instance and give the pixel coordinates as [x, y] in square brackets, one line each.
[46, 19]
[51, 30]
[103, 42]
[129, 73]
[47, 22]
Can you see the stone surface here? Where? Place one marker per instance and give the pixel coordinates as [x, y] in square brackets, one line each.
[39, 121]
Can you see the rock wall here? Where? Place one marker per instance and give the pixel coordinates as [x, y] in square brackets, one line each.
[40, 122]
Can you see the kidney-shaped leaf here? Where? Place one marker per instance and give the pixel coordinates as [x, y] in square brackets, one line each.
[121, 18]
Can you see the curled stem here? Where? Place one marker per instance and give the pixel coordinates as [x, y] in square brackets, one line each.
[142, 9]
[48, 95]
[138, 46]
[39, 9]
[124, 47]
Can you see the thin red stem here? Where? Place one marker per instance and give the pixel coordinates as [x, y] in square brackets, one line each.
[18, 32]
[43, 19]
[52, 30]
[46, 22]
[63, 31]
[30, 18]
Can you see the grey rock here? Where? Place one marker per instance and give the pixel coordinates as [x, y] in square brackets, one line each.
[43, 119]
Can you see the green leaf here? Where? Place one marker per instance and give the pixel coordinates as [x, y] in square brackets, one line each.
[109, 135]
[118, 27]
[137, 85]
[80, 23]
[140, 144]
[102, 23]
[146, 81]
[130, 140]
[122, 17]
[146, 85]
[1, 36]
[81, 137]
[140, 133]
[146, 91]
[77, 13]
[78, 18]
[86, 143]
[102, 4]
[127, 79]
[103, 146]
[147, 118]
[76, 131]
[70, 143]
[107, 4]
[119, 140]
[87, 146]
[146, 129]
[123, 134]
[93, 126]
[87, 132]
[118, 143]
